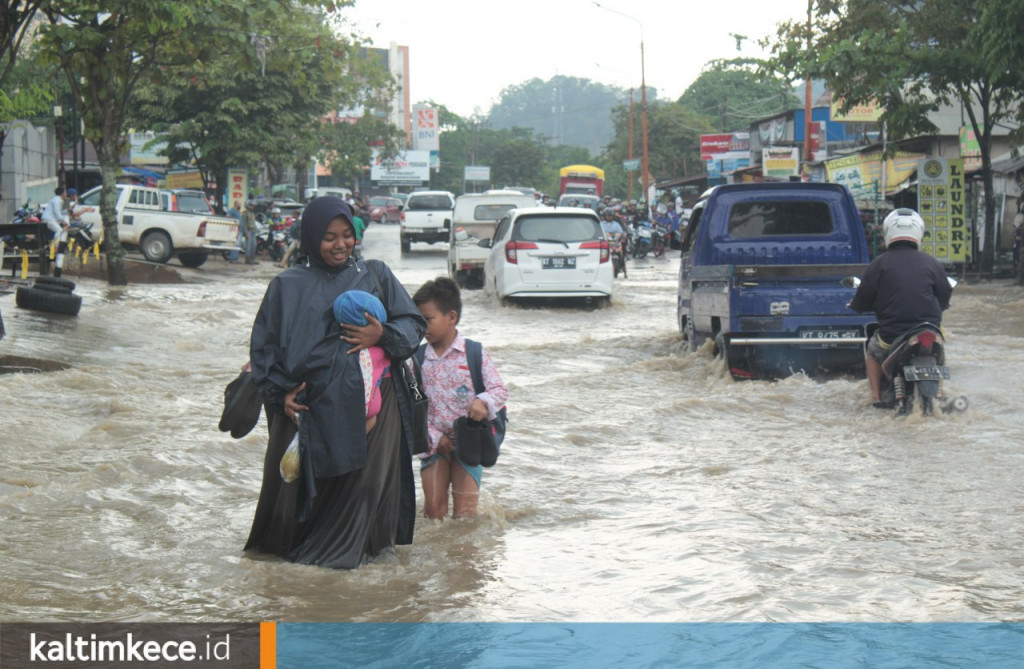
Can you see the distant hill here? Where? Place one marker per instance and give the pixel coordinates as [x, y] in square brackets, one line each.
[564, 110]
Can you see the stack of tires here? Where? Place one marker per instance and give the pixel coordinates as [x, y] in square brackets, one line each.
[50, 294]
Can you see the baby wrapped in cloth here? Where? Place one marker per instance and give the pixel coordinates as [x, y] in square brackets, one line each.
[351, 308]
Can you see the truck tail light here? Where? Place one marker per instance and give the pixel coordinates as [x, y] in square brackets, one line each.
[201, 233]
[512, 247]
[599, 244]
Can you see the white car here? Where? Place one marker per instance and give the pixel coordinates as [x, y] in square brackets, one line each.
[544, 252]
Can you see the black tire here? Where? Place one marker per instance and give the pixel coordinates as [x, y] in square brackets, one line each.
[406, 245]
[276, 253]
[192, 259]
[55, 281]
[44, 300]
[157, 247]
[50, 288]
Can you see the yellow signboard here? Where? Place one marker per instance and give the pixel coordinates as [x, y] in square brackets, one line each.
[862, 173]
[185, 179]
[941, 202]
[865, 113]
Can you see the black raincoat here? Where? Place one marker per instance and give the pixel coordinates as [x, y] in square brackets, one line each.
[286, 348]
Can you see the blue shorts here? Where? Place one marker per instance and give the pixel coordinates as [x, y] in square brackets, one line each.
[476, 472]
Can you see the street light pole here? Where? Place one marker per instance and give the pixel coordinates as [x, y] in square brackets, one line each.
[643, 97]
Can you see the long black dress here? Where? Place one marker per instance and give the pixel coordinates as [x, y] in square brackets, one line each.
[356, 496]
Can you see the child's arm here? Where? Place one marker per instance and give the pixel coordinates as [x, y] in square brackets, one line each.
[496, 394]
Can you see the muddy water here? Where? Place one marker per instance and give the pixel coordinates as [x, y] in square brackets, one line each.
[638, 482]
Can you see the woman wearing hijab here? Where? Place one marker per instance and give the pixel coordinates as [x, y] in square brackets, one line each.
[355, 497]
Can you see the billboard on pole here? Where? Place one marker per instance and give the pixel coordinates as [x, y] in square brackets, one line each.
[410, 168]
[425, 129]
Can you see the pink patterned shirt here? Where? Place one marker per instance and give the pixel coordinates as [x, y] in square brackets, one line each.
[449, 387]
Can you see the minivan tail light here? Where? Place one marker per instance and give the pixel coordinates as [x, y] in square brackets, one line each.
[202, 230]
[601, 244]
[513, 246]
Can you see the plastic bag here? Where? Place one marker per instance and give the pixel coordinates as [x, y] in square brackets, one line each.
[291, 461]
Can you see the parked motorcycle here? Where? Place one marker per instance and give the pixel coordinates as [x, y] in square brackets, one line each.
[915, 368]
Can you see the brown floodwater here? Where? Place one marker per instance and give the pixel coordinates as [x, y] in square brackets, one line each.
[638, 482]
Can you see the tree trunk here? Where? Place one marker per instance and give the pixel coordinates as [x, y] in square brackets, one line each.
[109, 159]
[301, 179]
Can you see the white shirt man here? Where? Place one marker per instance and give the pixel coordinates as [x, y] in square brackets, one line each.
[54, 215]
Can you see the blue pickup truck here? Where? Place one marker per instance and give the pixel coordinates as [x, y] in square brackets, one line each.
[761, 274]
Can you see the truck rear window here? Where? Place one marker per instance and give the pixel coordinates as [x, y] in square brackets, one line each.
[788, 217]
[429, 203]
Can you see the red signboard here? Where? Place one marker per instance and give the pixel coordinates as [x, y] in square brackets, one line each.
[713, 146]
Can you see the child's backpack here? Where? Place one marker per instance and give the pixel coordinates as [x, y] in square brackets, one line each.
[475, 361]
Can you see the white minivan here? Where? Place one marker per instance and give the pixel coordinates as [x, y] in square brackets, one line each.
[544, 252]
[476, 215]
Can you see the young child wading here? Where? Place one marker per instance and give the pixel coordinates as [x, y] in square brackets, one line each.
[449, 385]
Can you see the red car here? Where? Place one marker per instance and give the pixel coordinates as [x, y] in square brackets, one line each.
[383, 208]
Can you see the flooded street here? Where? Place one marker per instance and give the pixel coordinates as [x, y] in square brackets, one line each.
[638, 482]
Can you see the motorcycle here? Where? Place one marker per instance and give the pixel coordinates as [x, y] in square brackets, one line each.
[915, 367]
[617, 245]
[643, 242]
[659, 239]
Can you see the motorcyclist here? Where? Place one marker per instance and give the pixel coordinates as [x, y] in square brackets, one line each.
[57, 221]
[615, 234]
[294, 235]
[904, 287]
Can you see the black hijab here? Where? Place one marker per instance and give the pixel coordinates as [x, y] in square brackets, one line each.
[315, 219]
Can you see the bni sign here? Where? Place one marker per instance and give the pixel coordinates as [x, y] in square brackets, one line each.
[476, 173]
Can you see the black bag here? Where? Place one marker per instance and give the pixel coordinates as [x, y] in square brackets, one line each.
[414, 379]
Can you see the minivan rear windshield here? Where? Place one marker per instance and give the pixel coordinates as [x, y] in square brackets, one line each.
[556, 228]
[428, 203]
[491, 212]
[787, 217]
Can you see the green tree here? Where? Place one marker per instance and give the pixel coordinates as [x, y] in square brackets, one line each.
[912, 57]
[731, 94]
[16, 17]
[244, 107]
[673, 145]
[107, 50]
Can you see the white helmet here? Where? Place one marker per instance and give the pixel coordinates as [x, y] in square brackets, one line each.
[903, 225]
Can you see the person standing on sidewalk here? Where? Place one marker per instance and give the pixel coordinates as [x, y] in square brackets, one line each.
[249, 229]
[236, 213]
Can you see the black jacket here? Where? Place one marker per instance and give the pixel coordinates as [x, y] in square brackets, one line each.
[904, 287]
[286, 348]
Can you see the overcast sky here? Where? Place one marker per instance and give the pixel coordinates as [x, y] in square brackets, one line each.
[462, 53]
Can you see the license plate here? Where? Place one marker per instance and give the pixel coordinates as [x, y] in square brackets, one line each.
[645, 233]
[829, 334]
[920, 373]
[558, 263]
[442, 230]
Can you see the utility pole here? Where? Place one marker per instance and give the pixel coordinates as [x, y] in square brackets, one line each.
[807, 92]
[629, 177]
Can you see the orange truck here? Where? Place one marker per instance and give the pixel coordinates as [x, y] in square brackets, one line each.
[581, 180]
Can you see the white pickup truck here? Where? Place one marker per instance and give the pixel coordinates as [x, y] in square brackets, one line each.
[426, 217]
[476, 216]
[143, 223]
